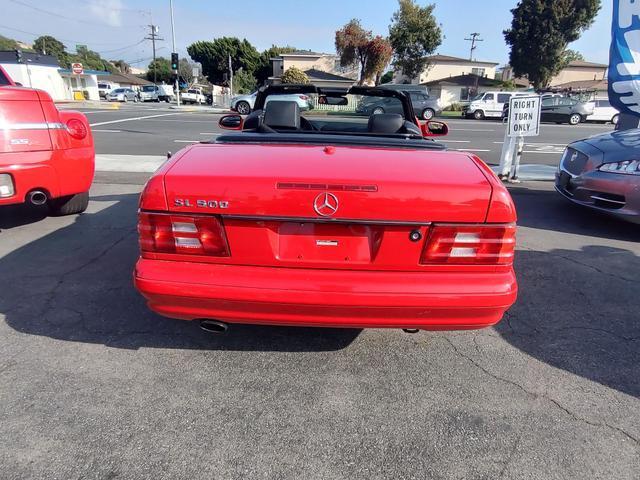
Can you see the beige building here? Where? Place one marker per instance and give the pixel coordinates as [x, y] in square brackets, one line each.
[446, 66]
[323, 69]
[308, 60]
[579, 70]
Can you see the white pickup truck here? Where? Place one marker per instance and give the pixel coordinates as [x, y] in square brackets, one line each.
[193, 95]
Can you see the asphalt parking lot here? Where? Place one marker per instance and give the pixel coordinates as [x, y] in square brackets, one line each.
[94, 386]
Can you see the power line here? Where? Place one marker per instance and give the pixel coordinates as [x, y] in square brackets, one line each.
[64, 39]
[54, 14]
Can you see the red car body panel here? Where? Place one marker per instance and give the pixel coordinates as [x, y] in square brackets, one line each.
[36, 148]
[285, 264]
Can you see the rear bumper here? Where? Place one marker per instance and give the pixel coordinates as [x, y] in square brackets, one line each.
[58, 172]
[327, 298]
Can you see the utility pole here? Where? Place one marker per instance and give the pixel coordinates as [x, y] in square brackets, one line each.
[153, 36]
[173, 38]
[474, 39]
[230, 76]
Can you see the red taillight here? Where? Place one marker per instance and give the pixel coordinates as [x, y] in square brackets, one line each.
[303, 97]
[190, 234]
[473, 244]
[76, 128]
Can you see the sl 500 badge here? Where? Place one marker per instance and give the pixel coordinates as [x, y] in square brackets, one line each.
[185, 202]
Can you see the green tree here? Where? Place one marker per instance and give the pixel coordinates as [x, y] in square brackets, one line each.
[540, 32]
[569, 56]
[46, 44]
[214, 57]
[294, 75]
[90, 60]
[357, 46]
[264, 70]
[243, 82]
[161, 67]
[387, 77]
[414, 35]
[8, 43]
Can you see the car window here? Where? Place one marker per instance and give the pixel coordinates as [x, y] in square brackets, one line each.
[548, 102]
[503, 97]
[567, 102]
[488, 96]
[603, 103]
[415, 96]
[3, 79]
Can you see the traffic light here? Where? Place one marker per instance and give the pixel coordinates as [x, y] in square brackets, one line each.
[19, 55]
[174, 61]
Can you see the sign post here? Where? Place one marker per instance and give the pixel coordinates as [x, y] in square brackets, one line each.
[523, 121]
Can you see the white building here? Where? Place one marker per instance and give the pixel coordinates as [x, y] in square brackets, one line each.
[43, 72]
[446, 66]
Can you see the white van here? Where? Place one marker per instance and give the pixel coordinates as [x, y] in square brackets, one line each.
[488, 105]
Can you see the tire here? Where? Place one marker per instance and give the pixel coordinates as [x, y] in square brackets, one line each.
[377, 111]
[135, 99]
[69, 205]
[428, 113]
[575, 119]
[615, 119]
[478, 115]
[243, 108]
[125, 99]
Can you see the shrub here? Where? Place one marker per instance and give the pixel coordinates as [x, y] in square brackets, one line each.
[294, 75]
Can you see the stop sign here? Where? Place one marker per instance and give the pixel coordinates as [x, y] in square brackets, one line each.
[77, 69]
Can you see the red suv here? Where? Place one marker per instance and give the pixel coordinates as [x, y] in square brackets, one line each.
[46, 156]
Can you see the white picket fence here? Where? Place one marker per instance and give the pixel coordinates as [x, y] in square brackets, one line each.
[350, 107]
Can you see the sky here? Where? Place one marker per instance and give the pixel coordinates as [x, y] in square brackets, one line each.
[116, 28]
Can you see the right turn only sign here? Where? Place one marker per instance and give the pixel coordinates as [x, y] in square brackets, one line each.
[524, 116]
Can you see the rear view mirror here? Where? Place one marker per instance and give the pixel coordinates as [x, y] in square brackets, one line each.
[231, 122]
[434, 129]
[334, 101]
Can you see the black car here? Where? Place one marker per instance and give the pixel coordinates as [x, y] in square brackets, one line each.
[560, 110]
[424, 106]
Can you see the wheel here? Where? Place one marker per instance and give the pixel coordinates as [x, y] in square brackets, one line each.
[135, 99]
[243, 108]
[166, 99]
[615, 119]
[575, 119]
[69, 205]
[378, 111]
[428, 113]
[478, 115]
[125, 99]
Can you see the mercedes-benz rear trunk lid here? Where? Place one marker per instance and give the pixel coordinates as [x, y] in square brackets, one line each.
[395, 185]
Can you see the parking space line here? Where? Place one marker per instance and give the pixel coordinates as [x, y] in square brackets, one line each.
[186, 141]
[455, 141]
[130, 119]
[106, 131]
[472, 150]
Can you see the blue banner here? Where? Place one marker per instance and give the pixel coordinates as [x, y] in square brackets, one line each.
[624, 57]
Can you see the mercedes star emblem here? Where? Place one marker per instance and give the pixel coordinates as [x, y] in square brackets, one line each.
[326, 204]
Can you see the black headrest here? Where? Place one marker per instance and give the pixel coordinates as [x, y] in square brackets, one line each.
[282, 114]
[385, 123]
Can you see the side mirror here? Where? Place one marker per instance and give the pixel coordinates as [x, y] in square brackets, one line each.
[18, 84]
[231, 122]
[434, 129]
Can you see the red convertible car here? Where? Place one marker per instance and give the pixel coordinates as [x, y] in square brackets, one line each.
[327, 219]
[47, 155]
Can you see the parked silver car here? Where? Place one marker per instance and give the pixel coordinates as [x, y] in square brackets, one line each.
[122, 95]
[603, 173]
[243, 104]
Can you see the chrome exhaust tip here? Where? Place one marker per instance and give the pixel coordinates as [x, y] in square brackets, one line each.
[214, 326]
[37, 197]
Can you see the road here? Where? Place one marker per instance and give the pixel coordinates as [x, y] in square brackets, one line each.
[154, 129]
[95, 386]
